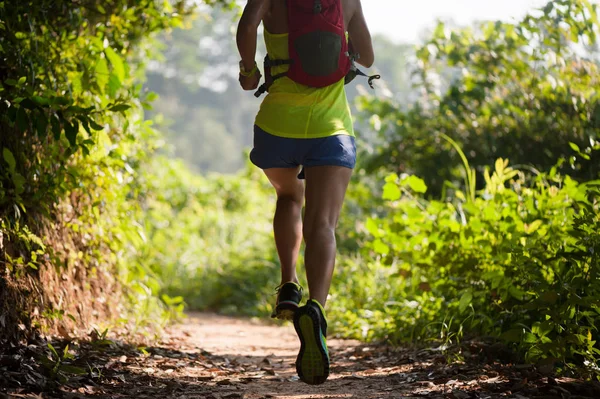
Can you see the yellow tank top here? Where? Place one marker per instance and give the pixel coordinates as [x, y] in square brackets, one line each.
[293, 110]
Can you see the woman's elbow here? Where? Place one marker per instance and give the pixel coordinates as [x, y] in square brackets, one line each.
[367, 60]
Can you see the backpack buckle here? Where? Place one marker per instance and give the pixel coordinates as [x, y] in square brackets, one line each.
[317, 7]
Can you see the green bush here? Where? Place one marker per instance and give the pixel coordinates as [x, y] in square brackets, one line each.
[519, 262]
[72, 146]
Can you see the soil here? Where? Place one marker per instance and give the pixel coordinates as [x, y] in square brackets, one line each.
[217, 357]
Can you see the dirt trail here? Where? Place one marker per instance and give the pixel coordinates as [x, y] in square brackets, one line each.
[215, 357]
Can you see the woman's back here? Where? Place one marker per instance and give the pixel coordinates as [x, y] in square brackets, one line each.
[291, 109]
[296, 111]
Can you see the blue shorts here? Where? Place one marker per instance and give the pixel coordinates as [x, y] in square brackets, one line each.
[279, 152]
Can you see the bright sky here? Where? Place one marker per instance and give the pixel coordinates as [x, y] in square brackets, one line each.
[404, 20]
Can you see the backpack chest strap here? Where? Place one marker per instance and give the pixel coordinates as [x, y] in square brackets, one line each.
[269, 63]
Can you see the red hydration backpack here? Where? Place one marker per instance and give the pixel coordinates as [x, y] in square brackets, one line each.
[318, 47]
[317, 42]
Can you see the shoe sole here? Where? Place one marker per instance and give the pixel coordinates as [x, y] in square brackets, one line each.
[312, 363]
[285, 311]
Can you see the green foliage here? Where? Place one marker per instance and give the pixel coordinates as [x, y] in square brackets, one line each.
[522, 91]
[209, 239]
[519, 262]
[58, 364]
[73, 144]
[68, 79]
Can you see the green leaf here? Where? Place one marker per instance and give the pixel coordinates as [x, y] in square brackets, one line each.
[101, 73]
[500, 166]
[94, 125]
[56, 129]
[41, 101]
[545, 328]
[417, 184]
[22, 119]
[117, 63]
[71, 131]
[53, 350]
[120, 107]
[19, 182]
[529, 338]
[41, 124]
[533, 226]
[517, 293]
[85, 123]
[380, 247]
[440, 31]
[61, 100]
[465, 301]
[574, 147]
[9, 158]
[114, 84]
[152, 96]
[373, 228]
[391, 192]
[22, 80]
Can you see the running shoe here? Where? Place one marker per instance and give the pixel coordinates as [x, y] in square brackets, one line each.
[312, 363]
[289, 296]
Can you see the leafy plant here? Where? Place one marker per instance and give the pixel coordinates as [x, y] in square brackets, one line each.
[72, 144]
[518, 262]
[59, 365]
[99, 339]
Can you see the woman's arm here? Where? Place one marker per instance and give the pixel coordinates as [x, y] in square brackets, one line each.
[361, 37]
[246, 38]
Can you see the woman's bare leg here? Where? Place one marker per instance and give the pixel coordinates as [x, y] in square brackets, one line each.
[325, 191]
[287, 223]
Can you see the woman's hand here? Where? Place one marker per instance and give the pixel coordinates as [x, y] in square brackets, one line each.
[250, 82]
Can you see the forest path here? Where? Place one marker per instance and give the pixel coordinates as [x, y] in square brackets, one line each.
[217, 357]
